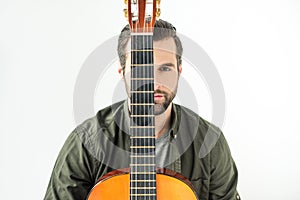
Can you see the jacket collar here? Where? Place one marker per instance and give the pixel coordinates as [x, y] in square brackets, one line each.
[120, 115]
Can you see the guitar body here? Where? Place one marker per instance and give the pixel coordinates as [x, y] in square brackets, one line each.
[116, 186]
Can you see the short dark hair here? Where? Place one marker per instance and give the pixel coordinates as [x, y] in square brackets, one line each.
[162, 30]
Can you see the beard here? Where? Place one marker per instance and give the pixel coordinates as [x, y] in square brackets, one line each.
[161, 105]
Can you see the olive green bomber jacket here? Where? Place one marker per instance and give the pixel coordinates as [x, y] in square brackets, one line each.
[102, 143]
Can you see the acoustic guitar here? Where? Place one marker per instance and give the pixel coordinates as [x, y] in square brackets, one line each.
[142, 180]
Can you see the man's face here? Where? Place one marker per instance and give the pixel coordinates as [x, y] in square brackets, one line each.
[166, 74]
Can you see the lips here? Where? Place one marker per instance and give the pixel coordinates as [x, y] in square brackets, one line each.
[158, 97]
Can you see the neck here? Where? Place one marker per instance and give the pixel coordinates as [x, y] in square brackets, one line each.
[163, 122]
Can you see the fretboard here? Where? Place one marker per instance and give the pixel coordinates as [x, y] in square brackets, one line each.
[142, 127]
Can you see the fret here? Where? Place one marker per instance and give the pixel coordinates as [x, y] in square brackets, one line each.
[144, 156]
[142, 147]
[141, 65]
[142, 115]
[143, 137]
[143, 173]
[148, 180]
[141, 33]
[138, 63]
[142, 75]
[141, 50]
[142, 104]
[141, 92]
[142, 188]
[143, 84]
[143, 194]
[142, 165]
[142, 79]
[141, 69]
[142, 127]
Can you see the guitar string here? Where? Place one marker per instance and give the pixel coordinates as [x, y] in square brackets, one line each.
[150, 85]
[132, 123]
[131, 130]
[150, 98]
[149, 118]
[132, 108]
[136, 88]
[143, 109]
[152, 113]
[148, 108]
[145, 191]
[146, 96]
[151, 107]
[133, 86]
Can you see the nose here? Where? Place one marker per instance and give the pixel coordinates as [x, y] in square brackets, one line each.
[156, 85]
[157, 81]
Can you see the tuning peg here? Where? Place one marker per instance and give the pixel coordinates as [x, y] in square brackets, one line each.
[125, 13]
[158, 12]
[158, 8]
[125, 1]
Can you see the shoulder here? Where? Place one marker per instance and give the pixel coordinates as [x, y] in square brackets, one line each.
[103, 120]
[207, 136]
[191, 118]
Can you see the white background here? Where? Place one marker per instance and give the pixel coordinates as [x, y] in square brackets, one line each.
[254, 44]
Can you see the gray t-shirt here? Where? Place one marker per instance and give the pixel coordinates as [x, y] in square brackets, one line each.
[162, 150]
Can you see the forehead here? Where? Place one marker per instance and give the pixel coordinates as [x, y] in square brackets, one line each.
[164, 51]
[166, 45]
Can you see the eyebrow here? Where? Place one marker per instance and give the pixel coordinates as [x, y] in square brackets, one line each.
[167, 64]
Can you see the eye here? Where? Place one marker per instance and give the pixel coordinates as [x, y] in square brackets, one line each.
[164, 68]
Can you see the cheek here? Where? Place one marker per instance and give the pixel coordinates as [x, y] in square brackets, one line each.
[168, 80]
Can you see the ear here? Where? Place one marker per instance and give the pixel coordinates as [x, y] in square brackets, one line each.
[120, 70]
[180, 69]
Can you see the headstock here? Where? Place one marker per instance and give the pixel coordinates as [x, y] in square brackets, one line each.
[142, 14]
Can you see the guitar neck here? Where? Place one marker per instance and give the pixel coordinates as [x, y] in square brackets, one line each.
[142, 126]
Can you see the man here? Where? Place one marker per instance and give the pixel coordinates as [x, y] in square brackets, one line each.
[101, 144]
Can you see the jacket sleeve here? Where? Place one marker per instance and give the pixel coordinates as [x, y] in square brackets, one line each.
[224, 175]
[72, 177]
